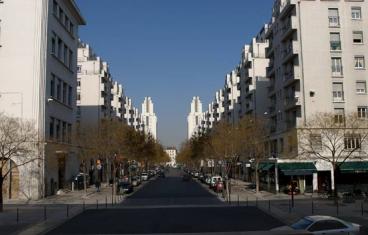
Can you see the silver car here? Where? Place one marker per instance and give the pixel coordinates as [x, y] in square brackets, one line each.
[319, 225]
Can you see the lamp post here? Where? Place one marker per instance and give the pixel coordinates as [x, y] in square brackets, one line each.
[21, 100]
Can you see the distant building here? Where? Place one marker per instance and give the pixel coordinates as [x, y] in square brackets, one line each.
[149, 118]
[194, 117]
[172, 152]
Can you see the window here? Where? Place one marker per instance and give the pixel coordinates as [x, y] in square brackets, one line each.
[79, 82]
[361, 87]
[53, 45]
[338, 91]
[339, 115]
[59, 48]
[66, 22]
[51, 127]
[79, 68]
[58, 90]
[61, 14]
[356, 13]
[359, 62]
[65, 57]
[78, 96]
[316, 142]
[64, 92]
[55, 8]
[333, 17]
[336, 65]
[69, 133]
[63, 134]
[352, 141]
[71, 28]
[326, 225]
[52, 85]
[363, 112]
[70, 65]
[281, 145]
[70, 95]
[335, 42]
[57, 130]
[358, 37]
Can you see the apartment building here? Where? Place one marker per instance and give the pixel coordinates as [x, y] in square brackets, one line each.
[232, 96]
[117, 102]
[253, 81]
[317, 52]
[194, 117]
[132, 116]
[94, 88]
[38, 61]
[149, 118]
[172, 152]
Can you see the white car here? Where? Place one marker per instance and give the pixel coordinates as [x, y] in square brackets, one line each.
[319, 225]
[144, 176]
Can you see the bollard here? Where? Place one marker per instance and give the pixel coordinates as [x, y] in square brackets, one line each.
[238, 201]
[67, 211]
[247, 201]
[17, 215]
[362, 206]
[112, 200]
[84, 205]
[312, 207]
[106, 201]
[44, 213]
[96, 204]
[256, 201]
[269, 205]
[337, 207]
[289, 206]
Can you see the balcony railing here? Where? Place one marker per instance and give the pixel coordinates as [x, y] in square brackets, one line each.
[335, 46]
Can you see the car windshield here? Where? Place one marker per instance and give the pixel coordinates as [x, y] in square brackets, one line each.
[302, 224]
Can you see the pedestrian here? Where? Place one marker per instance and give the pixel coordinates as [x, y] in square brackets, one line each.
[98, 185]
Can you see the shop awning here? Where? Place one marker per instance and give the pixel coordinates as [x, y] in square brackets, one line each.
[297, 168]
[265, 166]
[354, 167]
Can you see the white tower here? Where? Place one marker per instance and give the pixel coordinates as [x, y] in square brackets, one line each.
[194, 117]
[149, 118]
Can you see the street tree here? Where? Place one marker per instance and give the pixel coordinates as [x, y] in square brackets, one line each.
[18, 147]
[334, 139]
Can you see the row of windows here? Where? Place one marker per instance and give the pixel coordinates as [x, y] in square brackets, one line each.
[335, 40]
[61, 91]
[338, 90]
[334, 18]
[62, 17]
[337, 68]
[60, 131]
[62, 51]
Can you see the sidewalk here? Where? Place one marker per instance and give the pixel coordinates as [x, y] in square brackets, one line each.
[279, 205]
[19, 214]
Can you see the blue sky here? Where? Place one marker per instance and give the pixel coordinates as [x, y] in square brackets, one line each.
[171, 50]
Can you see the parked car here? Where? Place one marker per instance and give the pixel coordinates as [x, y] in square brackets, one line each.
[208, 180]
[135, 181]
[214, 180]
[125, 187]
[144, 176]
[78, 181]
[219, 186]
[196, 174]
[322, 225]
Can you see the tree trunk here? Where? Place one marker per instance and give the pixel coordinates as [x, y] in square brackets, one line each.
[84, 180]
[257, 177]
[335, 191]
[1, 193]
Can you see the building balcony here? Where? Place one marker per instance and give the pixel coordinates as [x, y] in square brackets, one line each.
[290, 52]
[286, 6]
[269, 51]
[291, 123]
[291, 77]
[290, 26]
[291, 102]
[270, 71]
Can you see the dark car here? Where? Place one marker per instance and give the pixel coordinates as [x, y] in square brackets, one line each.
[125, 187]
[78, 181]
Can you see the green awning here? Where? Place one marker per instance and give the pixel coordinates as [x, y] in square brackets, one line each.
[354, 167]
[297, 168]
[265, 166]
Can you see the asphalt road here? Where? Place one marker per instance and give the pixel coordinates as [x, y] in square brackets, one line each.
[169, 205]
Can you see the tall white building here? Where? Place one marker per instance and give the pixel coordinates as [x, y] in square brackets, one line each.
[38, 61]
[149, 118]
[194, 117]
[317, 58]
[117, 101]
[94, 88]
[132, 117]
[232, 96]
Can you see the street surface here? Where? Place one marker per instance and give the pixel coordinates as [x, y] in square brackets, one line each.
[169, 205]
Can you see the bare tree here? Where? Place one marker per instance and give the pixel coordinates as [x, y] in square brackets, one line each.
[334, 139]
[18, 145]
